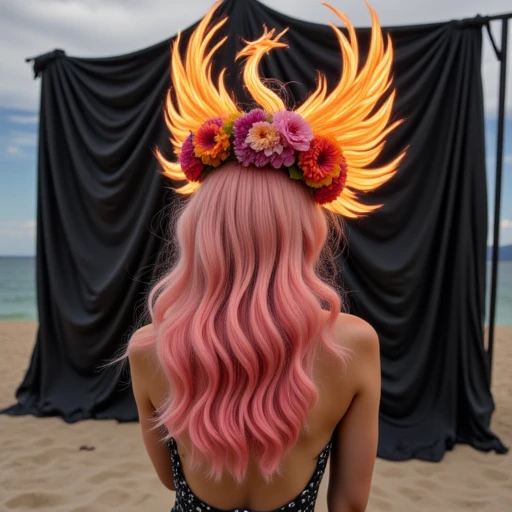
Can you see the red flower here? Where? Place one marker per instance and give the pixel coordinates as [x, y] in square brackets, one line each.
[191, 166]
[324, 195]
[321, 161]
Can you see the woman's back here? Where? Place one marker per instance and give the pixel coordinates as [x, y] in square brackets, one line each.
[348, 393]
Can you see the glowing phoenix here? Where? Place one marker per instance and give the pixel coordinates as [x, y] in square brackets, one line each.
[356, 112]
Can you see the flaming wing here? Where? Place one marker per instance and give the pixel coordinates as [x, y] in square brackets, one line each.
[196, 97]
[357, 114]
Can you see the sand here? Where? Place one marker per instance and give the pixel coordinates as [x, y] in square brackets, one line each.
[48, 465]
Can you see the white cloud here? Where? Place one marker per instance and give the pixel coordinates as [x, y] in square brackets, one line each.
[17, 143]
[13, 150]
[491, 162]
[29, 225]
[506, 237]
[13, 229]
[17, 238]
[505, 231]
[23, 119]
[22, 139]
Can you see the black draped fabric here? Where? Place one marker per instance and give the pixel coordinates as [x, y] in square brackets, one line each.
[415, 269]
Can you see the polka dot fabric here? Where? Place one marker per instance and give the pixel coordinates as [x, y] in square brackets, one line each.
[186, 501]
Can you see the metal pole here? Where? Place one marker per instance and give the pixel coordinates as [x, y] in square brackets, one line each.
[505, 16]
[497, 196]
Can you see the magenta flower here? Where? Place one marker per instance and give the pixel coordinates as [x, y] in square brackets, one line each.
[243, 124]
[191, 166]
[245, 154]
[294, 129]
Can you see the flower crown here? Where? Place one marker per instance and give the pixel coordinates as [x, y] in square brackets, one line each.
[329, 142]
[282, 140]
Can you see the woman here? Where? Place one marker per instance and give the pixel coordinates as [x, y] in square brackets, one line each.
[249, 377]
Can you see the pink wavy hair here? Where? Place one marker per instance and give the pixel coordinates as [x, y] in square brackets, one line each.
[239, 317]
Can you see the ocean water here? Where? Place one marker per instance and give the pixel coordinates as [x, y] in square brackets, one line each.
[504, 294]
[18, 291]
[17, 288]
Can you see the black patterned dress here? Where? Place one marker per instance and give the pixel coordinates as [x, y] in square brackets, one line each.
[186, 501]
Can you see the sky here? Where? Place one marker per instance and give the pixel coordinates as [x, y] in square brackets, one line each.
[100, 28]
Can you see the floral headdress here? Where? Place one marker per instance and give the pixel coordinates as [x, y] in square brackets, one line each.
[329, 142]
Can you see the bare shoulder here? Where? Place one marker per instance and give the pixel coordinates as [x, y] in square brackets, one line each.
[362, 344]
[141, 348]
[146, 371]
[357, 335]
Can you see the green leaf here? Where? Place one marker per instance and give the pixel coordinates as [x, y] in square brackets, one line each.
[295, 173]
[229, 123]
[228, 127]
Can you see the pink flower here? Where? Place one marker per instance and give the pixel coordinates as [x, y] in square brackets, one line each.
[294, 129]
[264, 137]
[286, 158]
[191, 166]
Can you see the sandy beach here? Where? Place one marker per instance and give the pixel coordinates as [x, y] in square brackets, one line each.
[94, 466]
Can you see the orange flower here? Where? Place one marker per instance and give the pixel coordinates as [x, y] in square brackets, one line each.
[322, 162]
[211, 144]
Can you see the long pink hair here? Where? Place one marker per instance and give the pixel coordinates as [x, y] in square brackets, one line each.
[238, 319]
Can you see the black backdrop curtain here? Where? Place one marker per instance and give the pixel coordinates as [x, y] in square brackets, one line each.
[415, 270]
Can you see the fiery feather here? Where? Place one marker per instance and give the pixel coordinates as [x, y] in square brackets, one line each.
[352, 115]
[196, 96]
